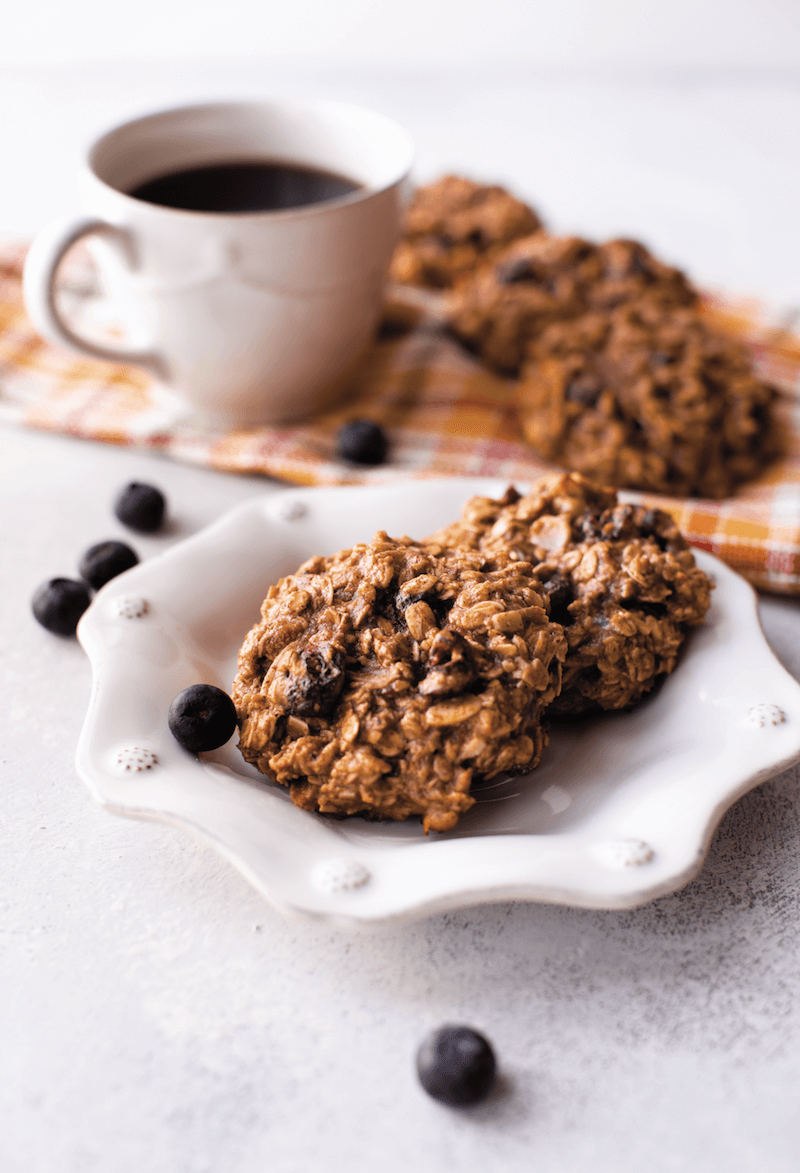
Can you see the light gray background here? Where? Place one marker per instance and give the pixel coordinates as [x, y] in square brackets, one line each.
[154, 1013]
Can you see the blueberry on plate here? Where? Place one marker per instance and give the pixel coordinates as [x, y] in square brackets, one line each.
[105, 561]
[59, 603]
[362, 442]
[140, 507]
[456, 1065]
[202, 717]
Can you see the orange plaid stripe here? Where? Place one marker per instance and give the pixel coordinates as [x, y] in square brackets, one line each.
[446, 414]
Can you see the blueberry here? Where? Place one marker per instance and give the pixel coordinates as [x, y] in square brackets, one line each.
[362, 442]
[59, 604]
[202, 717]
[456, 1065]
[105, 561]
[140, 507]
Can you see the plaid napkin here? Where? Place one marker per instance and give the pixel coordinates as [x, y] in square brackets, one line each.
[446, 415]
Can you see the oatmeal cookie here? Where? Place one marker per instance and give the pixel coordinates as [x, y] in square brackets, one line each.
[621, 579]
[629, 272]
[453, 224]
[648, 398]
[386, 679]
[502, 310]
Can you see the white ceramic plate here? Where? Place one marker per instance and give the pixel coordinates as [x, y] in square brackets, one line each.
[621, 810]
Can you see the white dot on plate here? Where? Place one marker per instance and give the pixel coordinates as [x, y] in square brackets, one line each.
[556, 798]
[624, 853]
[134, 760]
[761, 715]
[129, 607]
[291, 510]
[339, 875]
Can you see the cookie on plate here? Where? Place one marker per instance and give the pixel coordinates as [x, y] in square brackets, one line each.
[388, 678]
[452, 225]
[503, 309]
[648, 397]
[620, 578]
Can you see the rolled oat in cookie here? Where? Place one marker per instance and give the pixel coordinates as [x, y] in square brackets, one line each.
[620, 578]
[504, 307]
[386, 679]
[451, 226]
[648, 397]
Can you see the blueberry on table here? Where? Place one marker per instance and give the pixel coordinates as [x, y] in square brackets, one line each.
[202, 717]
[456, 1065]
[362, 442]
[105, 561]
[140, 507]
[59, 603]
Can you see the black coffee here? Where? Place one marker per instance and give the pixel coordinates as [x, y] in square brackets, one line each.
[250, 186]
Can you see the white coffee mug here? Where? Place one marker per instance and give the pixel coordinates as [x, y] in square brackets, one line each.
[252, 317]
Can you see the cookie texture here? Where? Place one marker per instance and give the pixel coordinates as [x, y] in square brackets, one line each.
[452, 225]
[501, 311]
[648, 397]
[620, 578]
[617, 375]
[388, 678]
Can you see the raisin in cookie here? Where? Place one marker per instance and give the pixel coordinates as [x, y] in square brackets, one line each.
[453, 224]
[502, 310]
[648, 398]
[386, 679]
[620, 578]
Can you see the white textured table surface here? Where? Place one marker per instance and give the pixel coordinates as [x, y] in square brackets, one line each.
[154, 1013]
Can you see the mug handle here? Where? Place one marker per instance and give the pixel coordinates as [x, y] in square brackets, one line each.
[39, 287]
